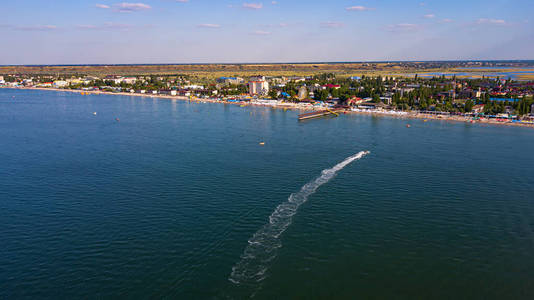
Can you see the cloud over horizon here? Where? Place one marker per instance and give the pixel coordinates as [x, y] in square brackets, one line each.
[404, 27]
[255, 6]
[36, 28]
[130, 7]
[209, 26]
[359, 8]
[491, 21]
[332, 24]
[261, 32]
[105, 26]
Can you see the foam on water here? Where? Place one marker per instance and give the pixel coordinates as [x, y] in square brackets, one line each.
[262, 246]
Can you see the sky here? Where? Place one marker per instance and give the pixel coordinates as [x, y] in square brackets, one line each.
[252, 31]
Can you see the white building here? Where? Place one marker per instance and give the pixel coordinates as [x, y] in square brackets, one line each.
[258, 86]
[194, 87]
[230, 80]
[303, 92]
[129, 80]
[60, 83]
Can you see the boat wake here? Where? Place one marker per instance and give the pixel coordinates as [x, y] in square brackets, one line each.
[263, 245]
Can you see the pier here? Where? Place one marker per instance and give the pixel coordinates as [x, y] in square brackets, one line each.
[321, 113]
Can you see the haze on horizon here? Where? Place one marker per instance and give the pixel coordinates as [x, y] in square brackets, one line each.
[202, 31]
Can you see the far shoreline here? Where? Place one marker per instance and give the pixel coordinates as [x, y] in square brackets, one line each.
[293, 106]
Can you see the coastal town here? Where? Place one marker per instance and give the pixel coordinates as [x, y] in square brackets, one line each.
[484, 99]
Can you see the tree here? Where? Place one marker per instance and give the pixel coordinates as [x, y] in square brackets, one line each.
[321, 95]
[273, 94]
[376, 98]
[468, 107]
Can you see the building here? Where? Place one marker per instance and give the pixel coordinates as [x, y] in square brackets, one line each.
[75, 81]
[113, 78]
[193, 87]
[477, 109]
[129, 80]
[258, 86]
[230, 80]
[303, 93]
[331, 86]
[1, 78]
[60, 83]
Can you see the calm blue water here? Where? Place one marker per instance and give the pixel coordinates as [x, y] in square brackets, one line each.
[472, 73]
[164, 202]
[504, 99]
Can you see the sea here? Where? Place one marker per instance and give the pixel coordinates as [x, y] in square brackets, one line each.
[107, 196]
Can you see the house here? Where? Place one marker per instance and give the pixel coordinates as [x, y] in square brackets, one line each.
[114, 79]
[297, 79]
[193, 87]
[372, 106]
[354, 101]
[331, 86]
[75, 81]
[128, 80]
[477, 109]
[386, 100]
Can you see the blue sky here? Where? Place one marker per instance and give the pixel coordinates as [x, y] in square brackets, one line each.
[227, 31]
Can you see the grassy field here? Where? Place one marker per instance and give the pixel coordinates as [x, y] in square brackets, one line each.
[212, 71]
[217, 70]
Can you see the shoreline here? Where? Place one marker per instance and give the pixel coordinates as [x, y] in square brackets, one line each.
[294, 106]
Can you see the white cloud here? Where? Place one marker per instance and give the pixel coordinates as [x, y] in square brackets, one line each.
[447, 20]
[331, 24]
[429, 16]
[131, 7]
[37, 28]
[253, 5]
[404, 27]
[105, 26]
[491, 21]
[359, 8]
[102, 6]
[182, 1]
[209, 26]
[261, 32]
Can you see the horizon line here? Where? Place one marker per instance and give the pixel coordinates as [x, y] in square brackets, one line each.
[269, 63]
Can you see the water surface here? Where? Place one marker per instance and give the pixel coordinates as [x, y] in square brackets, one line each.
[163, 203]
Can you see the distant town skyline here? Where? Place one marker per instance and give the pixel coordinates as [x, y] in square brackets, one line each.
[202, 31]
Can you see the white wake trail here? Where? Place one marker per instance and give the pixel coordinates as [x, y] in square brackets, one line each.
[263, 245]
